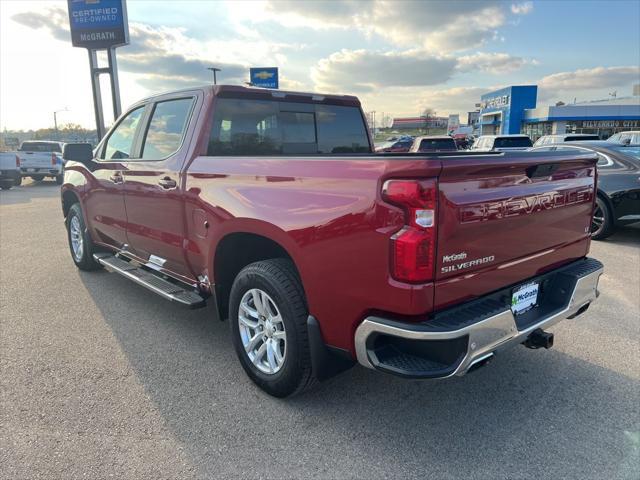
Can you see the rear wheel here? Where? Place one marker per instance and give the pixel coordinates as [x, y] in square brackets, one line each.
[602, 221]
[17, 181]
[268, 317]
[59, 179]
[6, 185]
[80, 243]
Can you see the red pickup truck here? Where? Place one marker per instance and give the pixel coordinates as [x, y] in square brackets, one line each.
[320, 253]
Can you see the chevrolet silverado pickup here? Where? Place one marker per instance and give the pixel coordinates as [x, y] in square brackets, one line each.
[320, 253]
[40, 159]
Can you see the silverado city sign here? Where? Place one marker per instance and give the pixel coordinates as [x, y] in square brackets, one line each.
[98, 24]
[608, 124]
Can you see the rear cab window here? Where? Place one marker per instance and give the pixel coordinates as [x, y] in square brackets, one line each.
[436, 144]
[271, 127]
[40, 147]
[512, 142]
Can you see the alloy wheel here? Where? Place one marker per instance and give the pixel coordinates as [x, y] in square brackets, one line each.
[262, 331]
[77, 241]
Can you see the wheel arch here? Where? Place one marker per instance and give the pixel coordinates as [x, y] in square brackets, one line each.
[234, 251]
[69, 197]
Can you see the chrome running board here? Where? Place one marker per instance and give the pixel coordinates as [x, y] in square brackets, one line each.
[151, 281]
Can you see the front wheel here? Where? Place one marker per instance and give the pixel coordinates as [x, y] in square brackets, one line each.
[268, 317]
[602, 220]
[80, 242]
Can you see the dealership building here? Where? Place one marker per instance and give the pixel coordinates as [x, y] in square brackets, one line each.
[513, 110]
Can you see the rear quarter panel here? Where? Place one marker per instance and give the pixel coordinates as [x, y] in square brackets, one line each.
[326, 212]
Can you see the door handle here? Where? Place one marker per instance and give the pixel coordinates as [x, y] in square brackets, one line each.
[167, 183]
[117, 177]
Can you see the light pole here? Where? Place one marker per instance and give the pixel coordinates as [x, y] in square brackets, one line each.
[55, 121]
[214, 70]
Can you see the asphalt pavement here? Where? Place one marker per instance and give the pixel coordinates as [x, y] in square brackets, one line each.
[100, 378]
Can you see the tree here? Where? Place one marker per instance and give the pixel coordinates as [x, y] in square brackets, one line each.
[428, 114]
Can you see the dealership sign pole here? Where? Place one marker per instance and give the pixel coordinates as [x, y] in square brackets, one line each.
[100, 25]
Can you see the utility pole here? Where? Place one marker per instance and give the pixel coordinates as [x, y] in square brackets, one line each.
[373, 122]
[214, 70]
[55, 121]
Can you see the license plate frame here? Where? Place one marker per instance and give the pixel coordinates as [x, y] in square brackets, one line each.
[524, 297]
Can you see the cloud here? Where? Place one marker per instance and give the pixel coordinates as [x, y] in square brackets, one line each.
[363, 70]
[591, 78]
[496, 63]
[330, 13]
[522, 8]
[56, 21]
[451, 100]
[438, 26]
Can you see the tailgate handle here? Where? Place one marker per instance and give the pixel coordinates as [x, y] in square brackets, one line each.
[543, 170]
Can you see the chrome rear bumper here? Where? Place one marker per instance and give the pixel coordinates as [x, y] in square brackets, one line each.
[484, 336]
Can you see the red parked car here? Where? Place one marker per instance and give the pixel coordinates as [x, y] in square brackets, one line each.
[272, 205]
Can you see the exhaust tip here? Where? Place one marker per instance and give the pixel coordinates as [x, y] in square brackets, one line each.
[480, 362]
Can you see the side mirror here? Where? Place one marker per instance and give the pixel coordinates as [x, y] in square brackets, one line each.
[78, 152]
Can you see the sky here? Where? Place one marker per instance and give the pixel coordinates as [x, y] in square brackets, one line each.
[399, 57]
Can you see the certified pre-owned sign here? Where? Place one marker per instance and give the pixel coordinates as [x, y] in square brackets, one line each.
[98, 24]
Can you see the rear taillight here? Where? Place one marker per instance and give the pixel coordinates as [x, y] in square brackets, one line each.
[54, 159]
[413, 248]
[17, 161]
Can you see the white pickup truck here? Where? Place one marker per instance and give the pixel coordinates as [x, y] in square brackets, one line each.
[41, 158]
[9, 170]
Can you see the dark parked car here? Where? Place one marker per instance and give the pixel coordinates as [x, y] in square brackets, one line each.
[401, 145]
[618, 200]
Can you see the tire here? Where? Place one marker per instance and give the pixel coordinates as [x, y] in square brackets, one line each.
[6, 186]
[290, 368]
[37, 178]
[59, 179]
[602, 222]
[18, 181]
[76, 227]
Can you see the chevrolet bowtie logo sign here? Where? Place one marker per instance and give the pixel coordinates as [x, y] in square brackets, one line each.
[265, 77]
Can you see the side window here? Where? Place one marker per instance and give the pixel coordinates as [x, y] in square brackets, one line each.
[120, 143]
[166, 128]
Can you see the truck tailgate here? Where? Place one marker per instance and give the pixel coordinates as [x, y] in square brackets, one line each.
[40, 160]
[507, 217]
